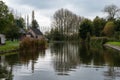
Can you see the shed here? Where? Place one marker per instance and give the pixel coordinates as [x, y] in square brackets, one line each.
[2, 39]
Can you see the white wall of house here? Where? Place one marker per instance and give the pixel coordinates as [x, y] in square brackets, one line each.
[2, 39]
[32, 33]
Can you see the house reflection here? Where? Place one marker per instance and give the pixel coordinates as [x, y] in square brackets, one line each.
[66, 57]
[27, 57]
[31, 56]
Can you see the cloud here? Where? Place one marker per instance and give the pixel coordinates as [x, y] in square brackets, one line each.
[44, 9]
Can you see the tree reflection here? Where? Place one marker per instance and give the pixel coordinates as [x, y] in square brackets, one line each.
[5, 71]
[85, 54]
[31, 56]
[112, 58]
[66, 57]
[25, 57]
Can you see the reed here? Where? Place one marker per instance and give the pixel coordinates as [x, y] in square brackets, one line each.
[30, 44]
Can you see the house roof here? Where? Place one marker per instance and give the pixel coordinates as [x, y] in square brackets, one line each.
[37, 31]
[2, 35]
[22, 31]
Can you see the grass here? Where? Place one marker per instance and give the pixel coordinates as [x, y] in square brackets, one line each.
[9, 45]
[8, 54]
[114, 43]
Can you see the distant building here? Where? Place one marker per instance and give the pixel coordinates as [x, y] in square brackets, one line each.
[34, 33]
[2, 39]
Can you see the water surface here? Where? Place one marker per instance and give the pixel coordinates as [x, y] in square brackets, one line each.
[62, 61]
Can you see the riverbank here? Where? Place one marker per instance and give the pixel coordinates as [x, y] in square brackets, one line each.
[10, 46]
[114, 45]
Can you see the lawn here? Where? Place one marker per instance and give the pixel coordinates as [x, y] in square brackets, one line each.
[114, 43]
[10, 45]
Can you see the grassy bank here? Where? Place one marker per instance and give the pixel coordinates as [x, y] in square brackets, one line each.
[114, 43]
[9, 46]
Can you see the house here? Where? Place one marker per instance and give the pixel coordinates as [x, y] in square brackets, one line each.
[34, 33]
[22, 33]
[2, 39]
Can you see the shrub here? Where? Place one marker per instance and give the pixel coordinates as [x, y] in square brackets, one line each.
[109, 29]
[30, 44]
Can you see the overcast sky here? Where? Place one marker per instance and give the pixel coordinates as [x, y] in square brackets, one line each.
[44, 9]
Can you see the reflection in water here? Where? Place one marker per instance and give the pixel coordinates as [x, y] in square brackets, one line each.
[69, 56]
[22, 58]
[62, 59]
[66, 57]
[5, 71]
[30, 56]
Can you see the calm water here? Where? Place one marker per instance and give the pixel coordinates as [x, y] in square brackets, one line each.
[62, 61]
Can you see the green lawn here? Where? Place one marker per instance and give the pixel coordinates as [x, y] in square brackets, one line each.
[114, 43]
[9, 45]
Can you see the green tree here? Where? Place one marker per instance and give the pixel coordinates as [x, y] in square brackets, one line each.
[117, 29]
[117, 25]
[12, 32]
[8, 24]
[35, 24]
[20, 23]
[4, 19]
[98, 25]
[109, 29]
[85, 28]
[56, 35]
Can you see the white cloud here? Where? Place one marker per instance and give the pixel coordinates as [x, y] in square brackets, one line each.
[44, 9]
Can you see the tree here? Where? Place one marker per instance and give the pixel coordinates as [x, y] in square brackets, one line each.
[109, 29]
[117, 25]
[4, 19]
[117, 29]
[57, 35]
[66, 22]
[20, 22]
[98, 25]
[12, 32]
[112, 11]
[35, 24]
[85, 28]
[12, 29]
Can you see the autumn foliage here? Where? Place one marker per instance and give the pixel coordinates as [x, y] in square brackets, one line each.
[109, 29]
[30, 43]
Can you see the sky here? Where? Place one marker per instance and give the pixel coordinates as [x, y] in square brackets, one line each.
[45, 9]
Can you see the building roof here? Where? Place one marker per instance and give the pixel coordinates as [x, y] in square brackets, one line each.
[2, 35]
[22, 31]
[36, 31]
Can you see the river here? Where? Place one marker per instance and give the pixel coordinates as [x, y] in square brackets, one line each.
[62, 61]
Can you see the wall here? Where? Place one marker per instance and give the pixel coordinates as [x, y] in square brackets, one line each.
[2, 37]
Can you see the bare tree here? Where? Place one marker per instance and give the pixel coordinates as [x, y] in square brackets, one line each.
[112, 11]
[66, 22]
